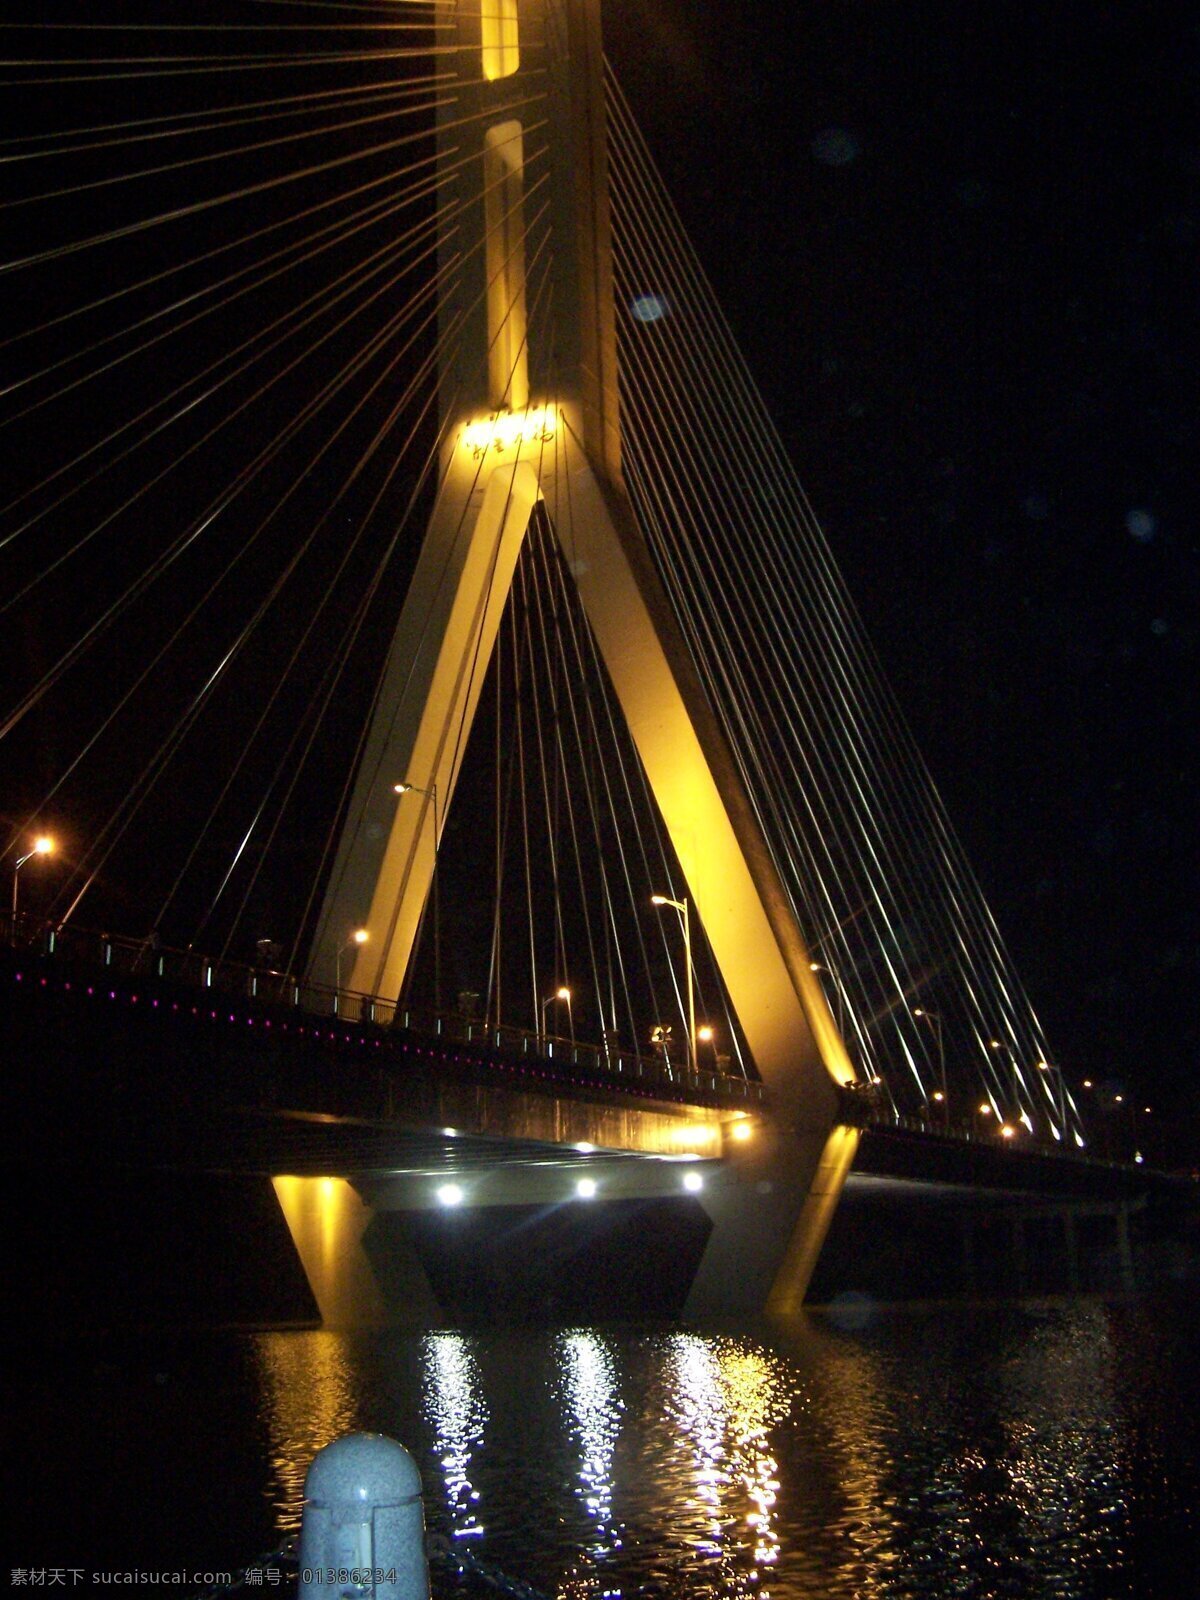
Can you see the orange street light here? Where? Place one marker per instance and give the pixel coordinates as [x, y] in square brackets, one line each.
[43, 845]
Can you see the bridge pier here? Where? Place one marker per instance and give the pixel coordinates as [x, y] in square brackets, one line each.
[770, 1206]
[329, 1220]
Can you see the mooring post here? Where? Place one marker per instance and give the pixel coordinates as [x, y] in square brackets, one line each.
[363, 1531]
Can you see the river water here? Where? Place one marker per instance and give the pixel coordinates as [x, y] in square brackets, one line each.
[1020, 1450]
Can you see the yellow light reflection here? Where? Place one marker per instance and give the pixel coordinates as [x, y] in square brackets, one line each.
[506, 430]
[308, 1398]
[726, 1399]
[455, 1410]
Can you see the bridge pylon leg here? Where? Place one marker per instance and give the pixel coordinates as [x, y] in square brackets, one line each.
[530, 412]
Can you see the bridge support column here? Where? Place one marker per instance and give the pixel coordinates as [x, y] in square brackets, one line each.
[328, 1220]
[770, 1207]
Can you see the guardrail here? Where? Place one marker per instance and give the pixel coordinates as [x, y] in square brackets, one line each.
[129, 957]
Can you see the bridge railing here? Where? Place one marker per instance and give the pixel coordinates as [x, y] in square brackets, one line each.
[129, 957]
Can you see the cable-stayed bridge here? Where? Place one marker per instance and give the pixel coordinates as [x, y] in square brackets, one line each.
[324, 316]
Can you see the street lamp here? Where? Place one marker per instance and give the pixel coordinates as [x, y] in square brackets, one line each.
[706, 1035]
[42, 846]
[935, 1022]
[358, 937]
[682, 907]
[561, 993]
[432, 794]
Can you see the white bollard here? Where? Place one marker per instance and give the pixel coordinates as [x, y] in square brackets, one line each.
[363, 1533]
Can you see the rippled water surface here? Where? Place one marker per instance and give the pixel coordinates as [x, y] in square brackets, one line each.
[1023, 1451]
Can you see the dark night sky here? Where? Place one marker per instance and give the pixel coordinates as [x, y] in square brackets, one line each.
[958, 246]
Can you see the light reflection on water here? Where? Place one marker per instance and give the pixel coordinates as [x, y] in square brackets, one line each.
[949, 1455]
[309, 1397]
[455, 1409]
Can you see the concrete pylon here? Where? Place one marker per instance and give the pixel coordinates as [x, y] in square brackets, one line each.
[530, 413]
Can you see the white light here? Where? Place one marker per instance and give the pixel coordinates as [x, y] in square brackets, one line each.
[584, 1148]
[449, 1194]
[450, 1133]
[693, 1182]
[585, 1188]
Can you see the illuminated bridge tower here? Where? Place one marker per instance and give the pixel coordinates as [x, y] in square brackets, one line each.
[529, 411]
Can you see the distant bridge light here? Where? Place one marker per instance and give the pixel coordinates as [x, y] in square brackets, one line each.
[1006, 1130]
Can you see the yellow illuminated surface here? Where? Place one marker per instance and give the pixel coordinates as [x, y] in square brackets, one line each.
[327, 1218]
[507, 430]
[499, 28]
[696, 1139]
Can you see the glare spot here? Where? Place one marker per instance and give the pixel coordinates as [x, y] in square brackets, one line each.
[693, 1182]
[648, 308]
[1141, 524]
[835, 147]
[449, 1194]
[585, 1188]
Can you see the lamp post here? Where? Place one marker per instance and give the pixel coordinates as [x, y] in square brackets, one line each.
[935, 1022]
[682, 907]
[561, 993]
[42, 846]
[358, 937]
[431, 794]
